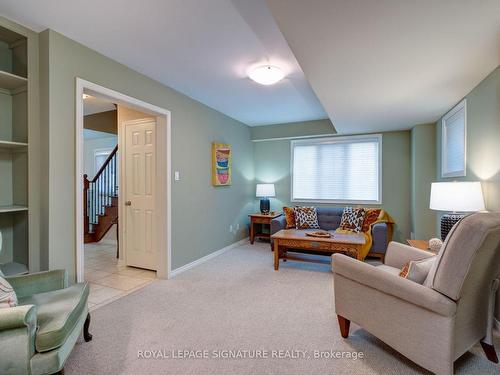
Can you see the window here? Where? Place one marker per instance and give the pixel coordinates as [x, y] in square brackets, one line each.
[453, 142]
[337, 170]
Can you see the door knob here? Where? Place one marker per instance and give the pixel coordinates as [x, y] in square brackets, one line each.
[128, 203]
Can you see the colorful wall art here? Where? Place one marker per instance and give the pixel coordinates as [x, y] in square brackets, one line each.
[221, 164]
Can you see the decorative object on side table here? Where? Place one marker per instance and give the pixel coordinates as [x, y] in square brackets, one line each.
[435, 244]
[458, 197]
[221, 164]
[265, 191]
[257, 221]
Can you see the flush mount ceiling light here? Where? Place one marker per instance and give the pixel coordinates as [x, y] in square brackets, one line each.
[85, 96]
[266, 74]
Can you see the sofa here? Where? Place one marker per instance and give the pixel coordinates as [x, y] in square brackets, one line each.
[329, 219]
[38, 335]
[436, 322]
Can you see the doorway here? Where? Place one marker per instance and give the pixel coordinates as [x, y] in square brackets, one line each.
[151, 126]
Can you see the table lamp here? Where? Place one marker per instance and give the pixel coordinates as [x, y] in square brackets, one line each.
[455, 197]
[265, 191]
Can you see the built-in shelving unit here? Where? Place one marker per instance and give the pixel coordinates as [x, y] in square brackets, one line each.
[14, 205]
[9, 81]
[13, 145]
[13, 208]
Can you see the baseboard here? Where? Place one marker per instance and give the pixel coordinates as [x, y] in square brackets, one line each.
[197, 262]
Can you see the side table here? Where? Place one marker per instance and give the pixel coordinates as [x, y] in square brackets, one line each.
[420, 244]
[257, 221]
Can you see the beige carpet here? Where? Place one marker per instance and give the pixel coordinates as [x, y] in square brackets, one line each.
[238, 302]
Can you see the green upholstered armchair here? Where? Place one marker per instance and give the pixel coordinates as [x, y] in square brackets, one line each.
[37, 336]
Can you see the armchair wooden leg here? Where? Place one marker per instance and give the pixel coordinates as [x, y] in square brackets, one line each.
[490, 352]
[86, 334]
[344, 325]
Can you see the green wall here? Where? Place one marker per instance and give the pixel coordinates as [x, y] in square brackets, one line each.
[272, 165]
[201, 214]
[483, 144]
[483, 139]
[293, 130]
[423, 173]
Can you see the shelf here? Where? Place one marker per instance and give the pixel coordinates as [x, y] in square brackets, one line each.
[12, 145]
[11, 81]
[13, 268]
[12, 208]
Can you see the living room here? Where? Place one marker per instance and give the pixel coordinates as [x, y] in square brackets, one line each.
[354, 134]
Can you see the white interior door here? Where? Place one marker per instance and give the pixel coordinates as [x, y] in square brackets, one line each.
[140, 195]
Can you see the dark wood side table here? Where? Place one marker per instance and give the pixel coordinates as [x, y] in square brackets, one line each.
[256, 221]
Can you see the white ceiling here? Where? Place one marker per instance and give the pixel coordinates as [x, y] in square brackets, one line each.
[390, 64]
[92, 105]
[200, 48]
[374, 65]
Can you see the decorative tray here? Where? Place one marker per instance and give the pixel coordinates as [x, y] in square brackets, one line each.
[319, 233]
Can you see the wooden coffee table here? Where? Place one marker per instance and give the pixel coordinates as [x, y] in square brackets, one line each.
[349, 244]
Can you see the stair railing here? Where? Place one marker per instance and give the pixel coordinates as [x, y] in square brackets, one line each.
[99, 192]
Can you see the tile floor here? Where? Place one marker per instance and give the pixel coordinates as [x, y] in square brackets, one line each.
[108, 279]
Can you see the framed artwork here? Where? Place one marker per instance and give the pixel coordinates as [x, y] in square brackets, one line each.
[221, 164]
[453, 141]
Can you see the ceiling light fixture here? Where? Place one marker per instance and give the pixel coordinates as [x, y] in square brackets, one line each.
[85, 96]
[266, 74]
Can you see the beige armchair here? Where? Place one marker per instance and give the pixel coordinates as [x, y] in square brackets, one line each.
[435, 323]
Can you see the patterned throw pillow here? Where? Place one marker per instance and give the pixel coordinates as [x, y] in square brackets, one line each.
[289, 217]
[352, 219]
[371, 216]
[306, 218]
[8, 296]
[417, 270]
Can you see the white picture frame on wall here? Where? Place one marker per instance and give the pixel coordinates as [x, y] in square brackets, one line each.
[454, 141]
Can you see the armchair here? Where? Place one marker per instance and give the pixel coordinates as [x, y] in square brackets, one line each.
[435, 323]
[37, 336]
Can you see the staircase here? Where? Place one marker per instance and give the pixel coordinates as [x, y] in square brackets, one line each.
[100, 206]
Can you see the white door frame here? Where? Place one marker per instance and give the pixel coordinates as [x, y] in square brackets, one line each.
[163, 165]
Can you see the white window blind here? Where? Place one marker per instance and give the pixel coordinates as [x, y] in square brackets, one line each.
[453, 146]
[343, 170]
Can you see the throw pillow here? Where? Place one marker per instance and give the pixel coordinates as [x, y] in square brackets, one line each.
[289, 217]
[417, 270]
[352, 219]
[8, 296]
[306, 218]
[371, 216]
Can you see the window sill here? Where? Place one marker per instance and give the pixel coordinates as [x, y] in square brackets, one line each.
[319, 201]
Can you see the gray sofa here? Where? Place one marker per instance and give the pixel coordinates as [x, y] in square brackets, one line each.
[329, 219]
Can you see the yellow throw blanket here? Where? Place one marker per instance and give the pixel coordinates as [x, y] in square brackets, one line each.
[370, 220]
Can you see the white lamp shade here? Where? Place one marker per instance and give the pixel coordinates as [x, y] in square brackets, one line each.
[265, 190]
[457, 196]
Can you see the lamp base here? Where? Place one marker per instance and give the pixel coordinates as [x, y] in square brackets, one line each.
[447, 222]
[265, 206]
